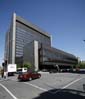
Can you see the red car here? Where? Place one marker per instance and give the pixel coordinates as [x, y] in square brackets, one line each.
[28, 76]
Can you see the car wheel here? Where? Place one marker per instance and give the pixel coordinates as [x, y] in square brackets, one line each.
[39, 76]
[30, 79]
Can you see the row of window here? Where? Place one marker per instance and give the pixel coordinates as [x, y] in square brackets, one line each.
[32, 36]
[23, 37]
[49, 56]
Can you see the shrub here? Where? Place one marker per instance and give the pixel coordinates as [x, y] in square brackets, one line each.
[27, 65]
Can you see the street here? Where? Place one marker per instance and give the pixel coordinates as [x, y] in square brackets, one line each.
[49, 86]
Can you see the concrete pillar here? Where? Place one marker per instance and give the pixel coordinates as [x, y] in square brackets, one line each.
[13, 39]
[36, 55]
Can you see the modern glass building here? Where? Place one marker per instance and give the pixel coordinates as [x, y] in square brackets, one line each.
[26, 42]
[50, 56]
[20, 33]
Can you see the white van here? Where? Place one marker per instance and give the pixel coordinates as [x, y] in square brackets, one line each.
[11, 69]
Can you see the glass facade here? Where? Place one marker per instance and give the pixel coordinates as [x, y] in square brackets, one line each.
[52, 56]
[25, 35]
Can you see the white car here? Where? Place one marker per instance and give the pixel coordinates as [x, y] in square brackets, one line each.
[20, 70]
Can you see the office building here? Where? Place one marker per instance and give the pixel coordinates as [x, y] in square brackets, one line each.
[26, 42]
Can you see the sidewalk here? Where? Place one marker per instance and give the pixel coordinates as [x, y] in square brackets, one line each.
[41, 72]
[14, 78]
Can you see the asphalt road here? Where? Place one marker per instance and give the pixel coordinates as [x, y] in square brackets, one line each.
[49, 86]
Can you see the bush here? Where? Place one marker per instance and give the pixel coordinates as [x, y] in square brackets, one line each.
[27, 65]
[18, 66]
[81, 65]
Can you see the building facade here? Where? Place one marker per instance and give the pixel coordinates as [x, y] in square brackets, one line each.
[51, 56]
[20, 33]
[26, 42]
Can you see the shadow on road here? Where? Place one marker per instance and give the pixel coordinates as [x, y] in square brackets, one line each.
[63, 94]
[79, 72]
[82, 71]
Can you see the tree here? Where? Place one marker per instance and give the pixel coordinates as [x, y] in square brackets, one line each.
[81, 65]
[27, 65]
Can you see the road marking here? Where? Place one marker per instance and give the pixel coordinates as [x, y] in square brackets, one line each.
[68, 85]
[8, 91]
[55, 88]
[72, 83]
[36, 86]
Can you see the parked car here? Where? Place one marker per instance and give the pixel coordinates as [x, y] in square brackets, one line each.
[28, 76]
[20, 70]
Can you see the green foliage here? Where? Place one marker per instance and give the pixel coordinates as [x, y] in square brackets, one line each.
[18, 66]
[81, 65]
[27, 65]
